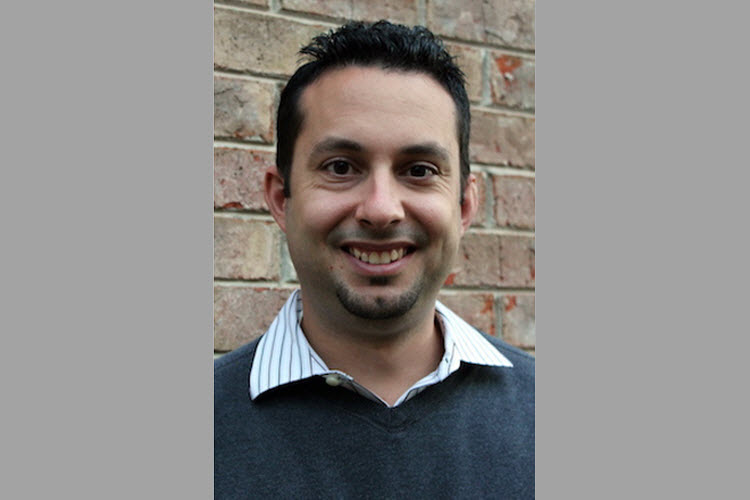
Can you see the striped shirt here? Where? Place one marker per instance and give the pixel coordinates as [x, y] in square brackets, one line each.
[284, 356]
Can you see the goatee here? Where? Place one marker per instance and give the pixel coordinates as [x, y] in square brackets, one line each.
[378, 307]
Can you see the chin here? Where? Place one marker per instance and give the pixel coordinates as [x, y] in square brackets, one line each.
[378, 305]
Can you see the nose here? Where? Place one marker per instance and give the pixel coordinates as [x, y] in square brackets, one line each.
[381, 203]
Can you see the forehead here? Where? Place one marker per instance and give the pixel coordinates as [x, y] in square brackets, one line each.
[378, 107]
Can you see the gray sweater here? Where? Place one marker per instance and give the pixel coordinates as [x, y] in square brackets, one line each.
[470, 436]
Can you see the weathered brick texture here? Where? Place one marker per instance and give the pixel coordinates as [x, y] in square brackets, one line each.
[246, 249]
[512, 81]
[244, 109]
[519, 320]
[255, 50]
[489, 260]
[514, 201]
[242, 314]
[497, 22]
[469, 59]
[238, 178]
[502, 139]
[400, 11]
[250, 42]
[478, 309]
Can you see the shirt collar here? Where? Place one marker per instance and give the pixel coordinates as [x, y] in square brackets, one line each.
[283, 354]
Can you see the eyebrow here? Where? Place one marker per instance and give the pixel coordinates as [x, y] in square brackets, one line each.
[334, 144]
[431, 149]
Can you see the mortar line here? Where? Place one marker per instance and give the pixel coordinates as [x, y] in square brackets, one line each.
[244, 7]
[503, 111]
[496, 292]
[283, 14]
[244, 216]
[224, 143]
[327, 19]
[234, 283]
[275, 77]
[517, 172]
[502, 231]
[249, 77]
[529, 168]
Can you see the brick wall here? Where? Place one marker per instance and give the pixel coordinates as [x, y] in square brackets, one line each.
[255, 45]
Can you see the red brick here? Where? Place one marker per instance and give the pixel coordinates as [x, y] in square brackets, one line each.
[491, 260]
[477, 309]
[250, 42]
[246, 249]
[507, 23]
[517, 261]
[400, 11]
[514, 201]
[242, 314]
[244, 109]
[518, 320]
[512, 81]
[502, 139]
[238, 178]
[469, 59]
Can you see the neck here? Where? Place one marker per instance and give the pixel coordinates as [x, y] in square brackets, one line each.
[387, 361]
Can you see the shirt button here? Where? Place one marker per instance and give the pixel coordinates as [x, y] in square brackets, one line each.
[333, 380]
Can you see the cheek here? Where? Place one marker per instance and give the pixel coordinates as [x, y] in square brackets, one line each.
[314, 217]
[441, 220]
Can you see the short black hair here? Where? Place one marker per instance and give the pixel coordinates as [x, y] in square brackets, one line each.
[381, 44]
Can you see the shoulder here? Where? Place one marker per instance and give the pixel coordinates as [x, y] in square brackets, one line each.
[232, 359]
[523, 370]
[232, 369]
[517, 356]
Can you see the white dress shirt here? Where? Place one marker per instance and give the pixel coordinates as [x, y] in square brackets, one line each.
[284, 356]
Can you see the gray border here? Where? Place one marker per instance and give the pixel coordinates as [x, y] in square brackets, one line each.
[107, 254]
[107, 260]
[640, 250]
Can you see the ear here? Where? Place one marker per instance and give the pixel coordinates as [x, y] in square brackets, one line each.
[471, 203]
[273, 192]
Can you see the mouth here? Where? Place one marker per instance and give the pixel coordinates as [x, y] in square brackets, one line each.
[379, 257]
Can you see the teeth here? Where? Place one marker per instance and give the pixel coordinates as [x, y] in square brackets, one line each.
[385, 257]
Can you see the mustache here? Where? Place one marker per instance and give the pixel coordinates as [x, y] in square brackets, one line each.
[414, 235]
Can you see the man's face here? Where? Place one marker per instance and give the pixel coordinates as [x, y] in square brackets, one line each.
[374, 221]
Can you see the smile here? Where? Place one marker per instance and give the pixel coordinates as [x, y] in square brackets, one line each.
[378, 257]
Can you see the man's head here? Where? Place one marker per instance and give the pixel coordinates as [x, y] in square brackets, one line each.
[384, 45]
[375, 195]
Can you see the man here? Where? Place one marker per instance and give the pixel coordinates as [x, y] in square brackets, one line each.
[364, 385]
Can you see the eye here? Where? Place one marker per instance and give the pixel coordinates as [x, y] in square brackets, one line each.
[421, 170]
[338, 167]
